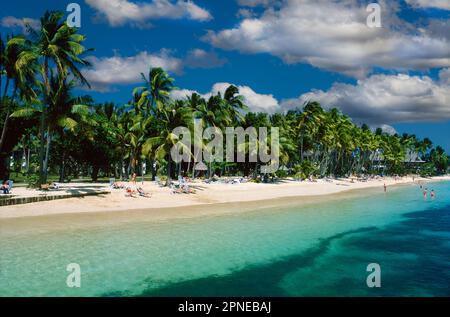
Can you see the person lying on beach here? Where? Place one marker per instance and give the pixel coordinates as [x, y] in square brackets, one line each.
[130, 192]
[177, 190]
[185, 189]
[142, 193]
[117, 185]
[188, 190]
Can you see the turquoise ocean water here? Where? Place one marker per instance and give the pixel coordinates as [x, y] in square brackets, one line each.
[319, 249]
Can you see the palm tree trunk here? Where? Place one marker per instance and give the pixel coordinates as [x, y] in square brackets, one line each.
[42, 152]
[169, 171]
[121, 169]
[5, 122]
[194, 160]
[5, 128]
[152, 166]
[24, 155]
[41, 149]
[188, 167]
[62, 167]
[210, 170]
[47, 154]
[28, 161]
[301, 148]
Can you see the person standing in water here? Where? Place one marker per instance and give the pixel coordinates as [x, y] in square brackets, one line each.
[385, 187]
[425, 193]
[433, 194]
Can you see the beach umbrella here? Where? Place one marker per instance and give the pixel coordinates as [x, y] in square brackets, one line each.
[201, 167]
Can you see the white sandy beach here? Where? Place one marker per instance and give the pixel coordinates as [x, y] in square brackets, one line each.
[214, 193]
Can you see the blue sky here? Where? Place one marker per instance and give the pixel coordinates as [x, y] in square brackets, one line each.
[281, 53]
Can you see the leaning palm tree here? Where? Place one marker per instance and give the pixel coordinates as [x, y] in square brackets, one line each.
[21, 76]
[54, 45]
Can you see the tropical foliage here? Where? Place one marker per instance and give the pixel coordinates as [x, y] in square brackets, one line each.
[47, 129]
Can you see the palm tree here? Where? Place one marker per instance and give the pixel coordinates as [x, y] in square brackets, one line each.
[136, 137]
[62, 112]
[22, 77]
[55, 44]
[173, 115]
[156, 90]
[234, 104]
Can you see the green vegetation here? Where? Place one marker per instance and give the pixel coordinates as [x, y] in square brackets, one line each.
[47, 130]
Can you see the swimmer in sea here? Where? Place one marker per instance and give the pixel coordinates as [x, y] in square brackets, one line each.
[433, 194]
[425, 194]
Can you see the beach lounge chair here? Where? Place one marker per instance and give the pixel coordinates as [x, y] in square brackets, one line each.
[142, 193]
[177, 190]
[187, 190]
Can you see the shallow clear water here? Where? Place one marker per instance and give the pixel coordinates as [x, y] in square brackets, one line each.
[295, 250]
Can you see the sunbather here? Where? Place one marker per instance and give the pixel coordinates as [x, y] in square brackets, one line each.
[117, 185]
[130, 192]
[142, 193]
[188, 190]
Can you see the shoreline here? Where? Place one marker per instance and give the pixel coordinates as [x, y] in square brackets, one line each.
[239, 196]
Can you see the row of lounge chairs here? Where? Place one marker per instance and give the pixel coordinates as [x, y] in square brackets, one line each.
[182, 188]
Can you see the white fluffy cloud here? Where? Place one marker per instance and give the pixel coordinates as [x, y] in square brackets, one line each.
[107, 71]
[119, 12]
[13, 22]
[379, 100]
[439, 4]
[255, 101]
[254, 3]
[333, 35]
[198, 58]
[386, 99]
[120, 70]
[444, 76]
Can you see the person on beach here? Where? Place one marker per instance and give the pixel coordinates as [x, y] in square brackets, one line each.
[5, 187]
[133, 178]
[129, 192]
[385, 187]
[142, 193]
